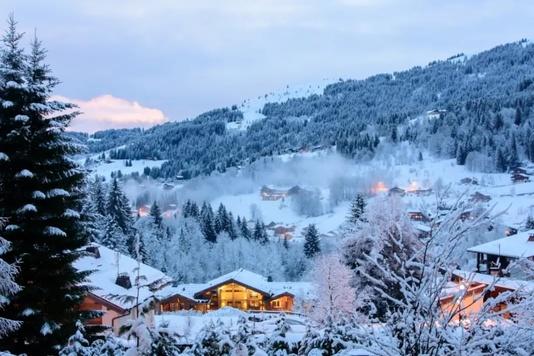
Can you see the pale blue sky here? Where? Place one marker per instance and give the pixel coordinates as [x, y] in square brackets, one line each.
[180, 58]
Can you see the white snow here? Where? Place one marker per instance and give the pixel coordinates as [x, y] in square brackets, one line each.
[108, 266]
[22, 118]
[57, 192]
[38, 195]
[3, 156]
[251, 108]
[28, 208]
[24, 174]
[54, 231]
[69, 213]
[516, 246]
[104, 169]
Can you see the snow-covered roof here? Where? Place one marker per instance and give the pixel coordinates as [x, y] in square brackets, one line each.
[502, 282]
[247, 278]
[516, 246]
[108, 265]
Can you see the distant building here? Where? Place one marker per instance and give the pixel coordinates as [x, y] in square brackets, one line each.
[519, 178]
[435, 114]
[418, 216]
[495, 256]
[113, 294]
[284, 232]
[479, 198]
[240, 289]
[396, 191]
[271, 193]
[468, 181]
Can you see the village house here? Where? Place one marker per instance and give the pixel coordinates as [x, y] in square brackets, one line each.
[418, 216]
[435, 113]
[396, 191]
[284, 232]
[467, 292]
[113, 294]
[271, 193]
[469, 181]
[478, 197]
[519, 178]
[240, 289]
[495, 256]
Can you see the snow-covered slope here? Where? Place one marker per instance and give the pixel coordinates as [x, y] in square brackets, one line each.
[251, 108]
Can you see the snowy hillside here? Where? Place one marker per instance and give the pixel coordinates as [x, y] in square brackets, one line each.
[251, 108]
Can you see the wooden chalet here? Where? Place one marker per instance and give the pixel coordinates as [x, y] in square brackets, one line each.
[397, 191]
[469, 181]
[478, 197]
[271, 193]
[495, 256]
[240, 289]
[519, 178]
[112, 295]
[418, 216]
[284, 232]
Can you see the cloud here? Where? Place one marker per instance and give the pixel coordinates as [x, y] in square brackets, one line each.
[107, 112]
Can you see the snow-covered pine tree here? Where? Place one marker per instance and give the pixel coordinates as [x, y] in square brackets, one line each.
[311, 241]
[206, 223]
[357, 209]
[77, 344]
[42, 202]
[118, 208]
[113, 237]
[98, 195]
[155, 213]
[277, 343]
[212, 340]
[8, 286]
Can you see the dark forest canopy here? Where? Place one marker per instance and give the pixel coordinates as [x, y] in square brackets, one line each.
[485, 121]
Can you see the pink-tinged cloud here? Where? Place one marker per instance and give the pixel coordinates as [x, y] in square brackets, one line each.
[108, 112]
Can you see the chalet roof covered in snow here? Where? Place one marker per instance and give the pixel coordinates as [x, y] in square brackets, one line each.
[520, 245]
[247, 278]
[108, 264]
[502, 282]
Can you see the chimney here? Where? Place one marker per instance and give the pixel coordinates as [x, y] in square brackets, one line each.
[93, 251]
[123, 280]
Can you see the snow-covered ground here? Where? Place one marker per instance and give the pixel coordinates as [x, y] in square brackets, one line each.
[188, 324]
[105, 168]
[251, 108]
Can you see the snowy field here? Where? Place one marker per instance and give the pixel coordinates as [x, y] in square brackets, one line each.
[251, 107]
[188, 324]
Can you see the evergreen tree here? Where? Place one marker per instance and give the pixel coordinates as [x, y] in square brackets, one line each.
[118, 208]
[42, 203]
[517, 117]
[77, 344]
[113, 237]
[357, 209]
[529, 225]
[155, 213]
[8, 287]
[500, 163]
[212, 340]
[311, 241]
[98, 196]
[260, 233]
[245, 231]
[206, 223]
[277, 343]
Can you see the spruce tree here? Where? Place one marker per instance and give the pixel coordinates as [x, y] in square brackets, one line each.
[42, 201]
[98, 196]
[155, 213]
[311, 241]
[357, 209]
[8, 286]
[500, 163]
[118, 208]
[517, 117]
[206, 223]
